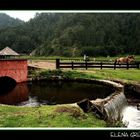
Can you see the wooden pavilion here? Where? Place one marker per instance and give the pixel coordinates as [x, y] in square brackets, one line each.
[8, 53]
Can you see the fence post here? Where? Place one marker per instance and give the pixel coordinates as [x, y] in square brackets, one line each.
[101, 65]
[138, 65]
[114, 65]
[57, 63]
[72, 65]
[127, 65]
[86, 64]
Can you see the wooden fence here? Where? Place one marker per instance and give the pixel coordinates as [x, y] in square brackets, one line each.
[81, 60]
[101, 65]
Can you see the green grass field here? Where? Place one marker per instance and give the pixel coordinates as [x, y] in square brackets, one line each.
[137, 57]
[48, 117]
[131, 75]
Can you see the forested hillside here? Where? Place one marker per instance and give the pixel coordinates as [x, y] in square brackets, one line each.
[75, 34]
[7, 21]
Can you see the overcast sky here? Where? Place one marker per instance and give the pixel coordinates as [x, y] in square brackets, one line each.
[23, 15]
[28, 14]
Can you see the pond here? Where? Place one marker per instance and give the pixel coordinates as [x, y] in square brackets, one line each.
[48, 92]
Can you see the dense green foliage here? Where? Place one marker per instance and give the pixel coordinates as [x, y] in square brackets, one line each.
[75, 34]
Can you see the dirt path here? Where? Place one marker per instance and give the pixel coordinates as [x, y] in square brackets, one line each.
[45, 64]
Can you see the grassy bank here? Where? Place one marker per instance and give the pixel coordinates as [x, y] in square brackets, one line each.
[48, 117]
[131, 75]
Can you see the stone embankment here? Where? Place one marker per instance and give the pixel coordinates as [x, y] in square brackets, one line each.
[108, 108]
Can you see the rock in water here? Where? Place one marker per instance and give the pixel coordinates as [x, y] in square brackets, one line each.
[138, 106]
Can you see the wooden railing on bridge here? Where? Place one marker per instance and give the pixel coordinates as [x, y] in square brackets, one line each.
[101, 65]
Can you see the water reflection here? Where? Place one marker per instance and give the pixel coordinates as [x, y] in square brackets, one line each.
[34, 94]
[19, 94]
[69, 92]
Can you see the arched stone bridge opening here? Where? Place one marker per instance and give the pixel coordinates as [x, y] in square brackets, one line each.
[12, 71]
[16, 69]
[7, 84]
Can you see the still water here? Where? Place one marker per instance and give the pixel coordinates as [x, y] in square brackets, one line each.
[46, 92]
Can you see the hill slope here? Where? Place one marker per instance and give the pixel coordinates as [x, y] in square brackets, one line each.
[75, 34]
[7, 21]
